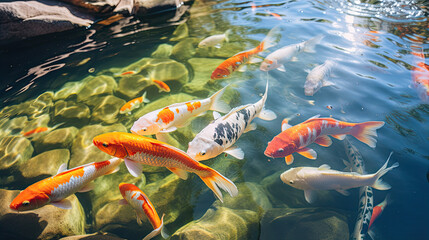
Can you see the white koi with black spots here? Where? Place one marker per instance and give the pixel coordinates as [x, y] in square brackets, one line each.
[220, 135]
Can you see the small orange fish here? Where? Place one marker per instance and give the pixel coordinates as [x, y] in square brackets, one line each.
[55, 189]
[133, 104]
[420, 74]
[297, 138]
[137, 150]
[163, 87]
[377, 210]
[143, 206]
[129, 72]
[39, 130]
[277, 16]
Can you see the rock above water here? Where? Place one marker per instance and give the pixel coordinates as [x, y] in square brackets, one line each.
[47, 222]
[45, 164]
[59, 138]
[305, 224]
[14, 151]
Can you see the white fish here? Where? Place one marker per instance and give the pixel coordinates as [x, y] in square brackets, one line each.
[285, 54]
[215, 40]
[316, 78]
[220, 135]
[323, 178]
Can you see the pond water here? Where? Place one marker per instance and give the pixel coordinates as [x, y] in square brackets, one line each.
[77, 79]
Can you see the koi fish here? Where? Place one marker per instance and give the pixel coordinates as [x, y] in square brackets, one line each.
[276, 59]
[54, 190]
[297, 138]
[378, 210]
[310, 179]
[316, 78]
[133, 104]
[220, 135]
[277, 16]
[39, 130]
[143, 206]
[127, 73]
[215, 40]
[162, 86]
[355, 163]
[227, 67]
[420, 76]
[177, 115]
[137, 150]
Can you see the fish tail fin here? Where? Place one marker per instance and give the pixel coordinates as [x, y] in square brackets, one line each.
[366, 132]
[217, 104]
[379, 184]
[266, 114]
[214, 180]
[311, 43]
[227, 33]
[160, 230]
[272, 38]
[145, 100]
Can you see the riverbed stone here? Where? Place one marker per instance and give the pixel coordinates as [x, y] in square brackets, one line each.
[83, 150]
[304, 223]
[14, 125]
[47, 222]
[59, 138]
[14, 151]
[69, 91]
[105, 109]
[96, 85]
[162, 51]
[221, 223]
[181, 32]
[72, 113]
[45, 164]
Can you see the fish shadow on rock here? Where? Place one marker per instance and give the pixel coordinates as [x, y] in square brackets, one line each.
[21, 226]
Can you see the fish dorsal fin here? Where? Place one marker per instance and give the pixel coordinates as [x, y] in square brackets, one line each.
[62, 168]
[313, 117]
[235, 110]
[324, 167]
[216, 115]
[285, 124]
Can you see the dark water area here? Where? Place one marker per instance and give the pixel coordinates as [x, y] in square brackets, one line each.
[372, 43]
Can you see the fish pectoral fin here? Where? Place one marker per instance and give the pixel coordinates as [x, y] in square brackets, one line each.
[170, 129]
[123, 202]
[339, 136]
[285, 124]
[328, 83]
[64, 204]
[255, 60]
[90, 186]
[324, 167]
[179, 172]
[289, 159]
[139, 221]
[324, 141]
[250, 127]
[308, 153]
[267, 115]
[310, 196]
[343, 192]
[235, 152]
[218, 45]
[242, 68]
[281, 68]
[216, 115]
[133, 167]
[62, 168]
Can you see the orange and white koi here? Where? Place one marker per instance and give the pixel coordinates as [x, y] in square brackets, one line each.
[39, 130]
[137, 150]
[227, 67]
[133, 104]
[143, 206]
[162, 86]
[297, 138]
[177, 115]
[420, 75]
[54, 190]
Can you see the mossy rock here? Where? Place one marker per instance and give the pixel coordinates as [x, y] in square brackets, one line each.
[221, 223]
[105, 109]
[180, 33]
[98, 85]
[45, 164]
[41, 121]
[184, 49]
[162, 51]
[305, 224]
[83, 150]
[59, 138]
[69, 91]
[70, 112]
[201, 82]
[47, 222]
[14, 151]
[13, 126]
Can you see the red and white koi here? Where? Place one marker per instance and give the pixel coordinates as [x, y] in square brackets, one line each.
[278, 58]
[297, 138]
[220, 135]
[310, 179]
[39, 130]
[177, 115]
[133, 104]
[138, 200]
[317, 78]
[54, 190]
[137, 150]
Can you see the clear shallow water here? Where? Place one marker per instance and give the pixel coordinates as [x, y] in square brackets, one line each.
[372, 82]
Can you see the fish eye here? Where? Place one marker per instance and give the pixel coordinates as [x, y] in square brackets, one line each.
[144, 129]
[291, 181]
[280, 150]
[203, 153]
[25, 203]
[105, 145]
[225, 76]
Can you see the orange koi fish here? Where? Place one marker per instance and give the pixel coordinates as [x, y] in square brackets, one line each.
[163, 87]
[55, 189]
[129, 72]
[377, 210]
[133, 104]
[226, 68]
[137, 150]
[277, 16]
[142, 205]
[177, 115]
[297, 138]
[39, 130]
[420, 75]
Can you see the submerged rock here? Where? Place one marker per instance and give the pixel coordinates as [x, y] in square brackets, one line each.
[105, 109]
[59, 138]
[14, 151]
[14, 125]
[96, 85]
[83, 150]
[45, 164]
[184, 49]
[76, 114]
[68, 91]
[202, 69]
[180, 33]
[47, 222]
[304, 223]
[162, 51]
[221, 223]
